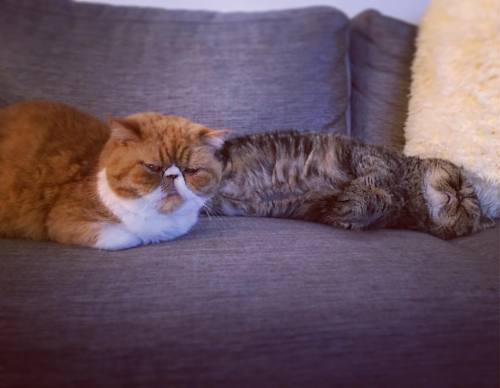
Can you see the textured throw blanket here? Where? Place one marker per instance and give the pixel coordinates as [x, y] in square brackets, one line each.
[454, 110]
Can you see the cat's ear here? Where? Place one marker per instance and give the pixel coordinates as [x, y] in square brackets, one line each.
[214, 137]
[124, 128]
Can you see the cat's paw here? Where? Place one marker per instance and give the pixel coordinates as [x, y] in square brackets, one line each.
[360, 207]
[348, 213]
[349, 207]
[115, 237]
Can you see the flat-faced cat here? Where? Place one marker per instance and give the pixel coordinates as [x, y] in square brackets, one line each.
[341, 182]
[68, 177]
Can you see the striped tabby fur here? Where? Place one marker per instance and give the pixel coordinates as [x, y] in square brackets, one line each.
[341, 182]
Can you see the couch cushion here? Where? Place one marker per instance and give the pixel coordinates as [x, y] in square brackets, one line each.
[257, 303]
[381, 53]
[249, 72]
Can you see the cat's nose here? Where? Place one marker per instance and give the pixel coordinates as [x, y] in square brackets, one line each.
[172, 172]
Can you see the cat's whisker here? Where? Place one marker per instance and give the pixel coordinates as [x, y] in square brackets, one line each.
[212, 216]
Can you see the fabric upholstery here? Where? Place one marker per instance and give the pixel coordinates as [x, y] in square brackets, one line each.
[381, 53]
[247, 72]
[256, 303]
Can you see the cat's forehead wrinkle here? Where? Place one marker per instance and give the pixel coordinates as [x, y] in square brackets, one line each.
[167, 145]
[178, 145]
[183, 154]
[165, 157]
[175, 138]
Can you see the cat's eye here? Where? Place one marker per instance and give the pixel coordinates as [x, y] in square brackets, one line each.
[154, 168]
[191, 171]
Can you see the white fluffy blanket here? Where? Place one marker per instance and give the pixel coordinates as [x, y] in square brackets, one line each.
[454, 110]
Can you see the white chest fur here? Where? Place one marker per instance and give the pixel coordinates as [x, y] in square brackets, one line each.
[140, 221]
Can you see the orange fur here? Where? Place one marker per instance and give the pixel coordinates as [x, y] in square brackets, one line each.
[51, 153]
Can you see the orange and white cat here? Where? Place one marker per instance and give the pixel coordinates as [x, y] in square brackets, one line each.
[68, 177]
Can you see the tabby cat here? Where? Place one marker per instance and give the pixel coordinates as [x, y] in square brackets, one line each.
[68, 177]
[340, 182]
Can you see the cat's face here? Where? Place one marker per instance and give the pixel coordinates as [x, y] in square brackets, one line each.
[165, 160]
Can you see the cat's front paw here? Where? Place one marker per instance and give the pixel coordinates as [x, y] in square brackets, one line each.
[115, 237]
[349, 207]
[348, 213]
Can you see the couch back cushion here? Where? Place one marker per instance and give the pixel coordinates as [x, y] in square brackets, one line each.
[249, 72]
[381, 53]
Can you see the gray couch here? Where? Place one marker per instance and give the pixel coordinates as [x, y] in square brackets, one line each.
[238, 301]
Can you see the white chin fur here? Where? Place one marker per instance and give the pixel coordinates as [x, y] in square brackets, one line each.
[141, 222]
